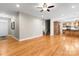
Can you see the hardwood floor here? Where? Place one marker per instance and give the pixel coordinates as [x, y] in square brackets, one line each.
[42, 46]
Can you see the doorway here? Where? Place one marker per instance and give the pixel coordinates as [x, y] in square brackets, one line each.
[56, 28]
[47, 27]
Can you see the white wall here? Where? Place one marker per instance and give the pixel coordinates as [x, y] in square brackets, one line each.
[51, 27]
[30, 26]
[3, 27]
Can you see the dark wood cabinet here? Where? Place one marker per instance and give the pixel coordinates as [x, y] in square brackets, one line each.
[71, 33]
[56, 28]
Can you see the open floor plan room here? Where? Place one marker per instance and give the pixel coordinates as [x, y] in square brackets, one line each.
[39, 29]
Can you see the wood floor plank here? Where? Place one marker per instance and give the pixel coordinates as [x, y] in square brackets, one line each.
[59, 45]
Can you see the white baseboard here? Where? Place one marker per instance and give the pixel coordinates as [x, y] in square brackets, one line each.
[30, 37]
[51, 34]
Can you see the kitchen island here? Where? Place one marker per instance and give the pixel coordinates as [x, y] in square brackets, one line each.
[71, 32]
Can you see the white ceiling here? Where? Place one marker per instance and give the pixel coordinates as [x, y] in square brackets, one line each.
[61, 10]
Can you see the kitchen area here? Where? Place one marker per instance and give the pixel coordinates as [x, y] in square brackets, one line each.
[71, 28]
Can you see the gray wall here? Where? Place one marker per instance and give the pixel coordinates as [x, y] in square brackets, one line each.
[30, 26]
[9, 26]
[17, 26]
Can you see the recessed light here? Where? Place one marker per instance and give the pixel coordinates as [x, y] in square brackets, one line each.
[17, 5]
[73, 6]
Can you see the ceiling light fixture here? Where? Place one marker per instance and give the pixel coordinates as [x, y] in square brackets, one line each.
[17, 5]
[45, 7]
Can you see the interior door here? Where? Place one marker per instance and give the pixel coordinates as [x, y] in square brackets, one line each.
[56, 28]
[3, 27]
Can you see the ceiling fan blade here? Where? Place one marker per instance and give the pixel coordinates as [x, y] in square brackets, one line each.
[48, 10]
[39, 7]
[41, 11]
[50, 6]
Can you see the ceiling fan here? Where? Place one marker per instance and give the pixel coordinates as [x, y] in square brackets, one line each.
[45, 7]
